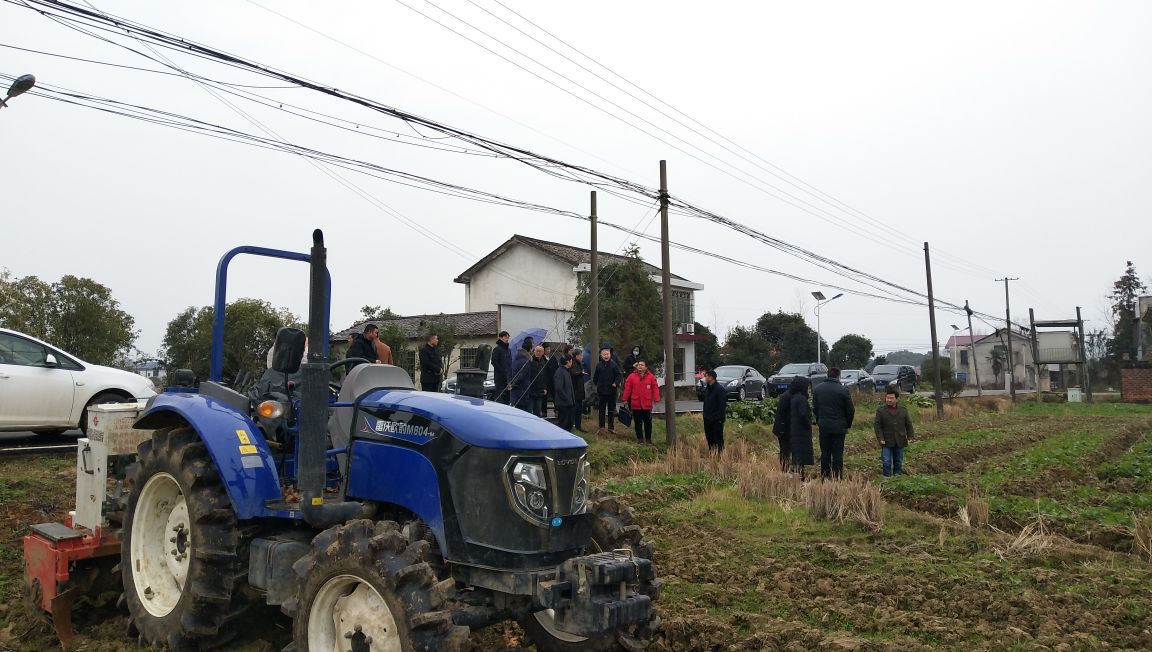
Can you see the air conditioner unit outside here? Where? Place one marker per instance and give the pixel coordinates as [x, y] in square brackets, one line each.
[690, 328]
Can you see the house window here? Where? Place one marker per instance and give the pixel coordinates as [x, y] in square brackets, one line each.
[406, 360]
[964, 358]
[468, 357]
[682, 308]
[678, 363]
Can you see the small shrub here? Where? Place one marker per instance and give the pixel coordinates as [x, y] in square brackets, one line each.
[752, 411]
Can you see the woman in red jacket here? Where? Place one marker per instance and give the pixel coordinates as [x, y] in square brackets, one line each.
[641, 392]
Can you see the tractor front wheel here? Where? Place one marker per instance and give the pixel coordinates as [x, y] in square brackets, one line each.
[363, 586]
[615, 528]
[183, 559]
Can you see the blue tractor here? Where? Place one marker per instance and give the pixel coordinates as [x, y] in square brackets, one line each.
[376, 516]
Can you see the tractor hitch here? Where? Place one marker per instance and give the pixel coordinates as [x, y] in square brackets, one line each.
[596, 593]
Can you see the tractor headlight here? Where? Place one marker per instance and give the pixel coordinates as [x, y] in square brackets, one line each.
[530, 491]
[580, 490]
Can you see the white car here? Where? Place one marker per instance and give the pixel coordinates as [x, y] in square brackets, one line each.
[48, 391]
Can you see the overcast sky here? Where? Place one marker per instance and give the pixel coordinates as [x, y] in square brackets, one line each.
[1013, 137]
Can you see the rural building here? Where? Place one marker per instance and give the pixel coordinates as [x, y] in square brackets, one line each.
[1056, 348]
[532, 283]
[472, 329]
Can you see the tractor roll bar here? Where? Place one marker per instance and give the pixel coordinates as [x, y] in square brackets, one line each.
[216, 371]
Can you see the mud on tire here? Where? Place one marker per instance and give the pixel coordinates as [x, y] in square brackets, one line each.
[615, 528]
[191, 607]
[365, 567]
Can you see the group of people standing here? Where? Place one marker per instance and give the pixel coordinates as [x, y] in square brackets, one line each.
[532, 376]
[832, 410]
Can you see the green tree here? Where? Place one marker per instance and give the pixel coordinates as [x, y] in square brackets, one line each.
[850, 352]
[745, 346]
[26, 305]
[707, 349]
[376, 313]
[1124, 293]
[789, 338]
[630, 307]
[76, 314]
[250, 327]
[875, 362]
[998, 357]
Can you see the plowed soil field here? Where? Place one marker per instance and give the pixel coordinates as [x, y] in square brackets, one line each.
[745, 574]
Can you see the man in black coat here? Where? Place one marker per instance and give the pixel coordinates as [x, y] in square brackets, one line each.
[715, 411]
[551, 364]
[502, 368]
[538, 383]
[564, 394]
[431, 365]
[579, 377]
[800, 426]
[834, 413]
[363, 346]
[781, 425]
[607, 379]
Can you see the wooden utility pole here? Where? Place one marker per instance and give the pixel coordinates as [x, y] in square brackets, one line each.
[666, 290]
[972, 345]
[1008, 327]
[1034, 340]
[935, 344]
[594, 286]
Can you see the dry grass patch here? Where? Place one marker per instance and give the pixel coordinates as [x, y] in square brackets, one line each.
[1142, 534]
[975, 510]
[851, 499]
[1034, 539]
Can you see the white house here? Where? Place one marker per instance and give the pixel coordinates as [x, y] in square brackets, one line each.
[532, 283]
[1056, 348]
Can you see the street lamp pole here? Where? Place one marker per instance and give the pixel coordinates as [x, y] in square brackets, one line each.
[820, 301]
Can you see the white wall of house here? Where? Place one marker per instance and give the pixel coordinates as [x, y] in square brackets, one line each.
[522, 276]
[516, 319]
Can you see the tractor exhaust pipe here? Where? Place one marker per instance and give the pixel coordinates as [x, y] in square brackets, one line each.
[315, 375]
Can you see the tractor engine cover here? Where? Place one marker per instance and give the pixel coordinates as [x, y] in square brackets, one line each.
[596, 593]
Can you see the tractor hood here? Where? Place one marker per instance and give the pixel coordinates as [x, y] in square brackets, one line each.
[485, 424]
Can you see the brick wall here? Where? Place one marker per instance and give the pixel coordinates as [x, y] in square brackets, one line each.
[1136, 385]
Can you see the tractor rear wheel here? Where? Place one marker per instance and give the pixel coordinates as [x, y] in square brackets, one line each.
[183, 559]
[615, 528]
[364, 586]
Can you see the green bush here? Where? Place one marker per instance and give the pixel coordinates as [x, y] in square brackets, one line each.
[752, 411]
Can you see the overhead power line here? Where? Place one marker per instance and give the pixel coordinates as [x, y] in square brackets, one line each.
[69, 13]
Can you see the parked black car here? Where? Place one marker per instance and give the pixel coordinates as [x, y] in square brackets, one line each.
[897, 375]
[740, 381]
[857, 379]
[813, 371]
[449, 385]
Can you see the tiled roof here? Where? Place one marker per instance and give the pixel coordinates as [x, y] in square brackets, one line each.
[960, 340]
[572, 255]
[468, 324]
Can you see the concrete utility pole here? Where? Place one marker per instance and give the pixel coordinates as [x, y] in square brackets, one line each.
[972, 344]
[1034, 341]
[1008, 326]
[594, 285]
[1085, 372]
[666, 288]
[935, 343]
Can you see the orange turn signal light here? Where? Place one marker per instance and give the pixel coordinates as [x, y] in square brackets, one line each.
[270, 409]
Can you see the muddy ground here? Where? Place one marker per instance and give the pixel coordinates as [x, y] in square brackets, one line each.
[757, 575]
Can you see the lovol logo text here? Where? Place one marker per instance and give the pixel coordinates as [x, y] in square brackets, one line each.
[385, 427]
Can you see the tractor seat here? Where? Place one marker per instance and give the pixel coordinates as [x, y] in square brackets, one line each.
[362, 379]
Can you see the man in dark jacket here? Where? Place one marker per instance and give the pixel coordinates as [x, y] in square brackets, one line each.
[363, 346]
[551, 364]
[579, 375]
[630, 361]
[715, 411]
[564, 394]
[538, 390]
[607, 379]
[431, 365]
[893, 432]
[521, 376]
[800, 428]
[834, 413]
[781, 425]
[502, 368]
